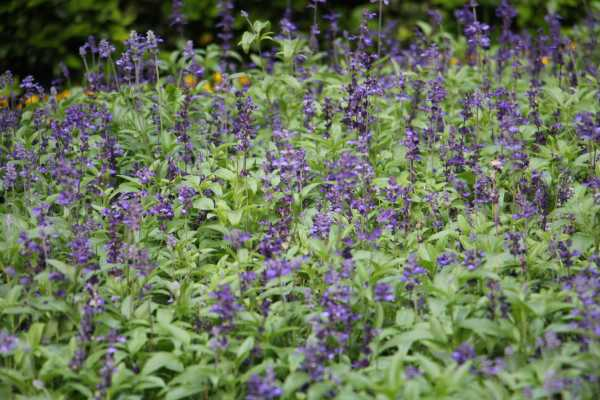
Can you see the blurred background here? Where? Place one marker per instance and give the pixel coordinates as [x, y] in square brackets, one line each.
[37, 35]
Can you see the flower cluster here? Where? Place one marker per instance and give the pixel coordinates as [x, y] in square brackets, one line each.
[379, 213]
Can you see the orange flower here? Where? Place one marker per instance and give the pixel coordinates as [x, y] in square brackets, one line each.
[3, 102]
[217, 78]
[545, 60]
[453, 60]
[63, 95]
[32, 100]
[244, 80]
[206, 38]
[208, 87]
[190, 80]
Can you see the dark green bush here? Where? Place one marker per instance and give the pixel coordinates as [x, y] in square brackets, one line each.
[35, 35]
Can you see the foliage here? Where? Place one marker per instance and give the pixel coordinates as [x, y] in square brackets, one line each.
[321, 221]
[38, 34]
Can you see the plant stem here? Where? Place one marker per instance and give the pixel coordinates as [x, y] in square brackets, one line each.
[379, 29]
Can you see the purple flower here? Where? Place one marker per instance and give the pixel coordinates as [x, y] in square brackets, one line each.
[484, 190]
[365, 236]
[436, 17]
[125, 66]
[177, 18]
[80, 250]
[152, 42]
[273, 240]
[515, 243]
[226, 305]
[163, 209]
[131, 212]
[561, 249]
[446, 259]
[463, 353]
[322, 223]
[550, 340]
[309, 110]
[384, 292]
[287, 27]
[475, 32]
[145, 175]
[277, 268]
[31, 87]
[588, 127]
[186, 194]
[225, 24]
[260, 388]
[78, 359]
[411, 272]
[246, 278]
[182, 126]
[106, 372]
[316, 356]
[138, 260]
[473, 259]
[242, 124]
[237, 238]
[492, 367]
[393, 190]
[105, 49]
[553, 383]
[10, 175]
[412, 372]
[114, 244]
[411, 141]
[10, 272]
[586, 286]
[389, 219]
[188, 51]
[8, 343]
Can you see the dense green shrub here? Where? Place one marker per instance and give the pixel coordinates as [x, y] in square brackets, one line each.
[35, 35]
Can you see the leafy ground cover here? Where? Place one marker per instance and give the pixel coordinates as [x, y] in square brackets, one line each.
[328, 215]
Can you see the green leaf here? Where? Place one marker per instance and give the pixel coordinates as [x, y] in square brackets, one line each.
[162, 360]
[245, 348]
[405, 317]
[425, 27]
[164, 316]
[127, 307]
[225, 174]
[49, 304]
[178, 333]
[318, 390]
[248, 39]
[234, 216]
[204, 203]
[405, 341]
[35, 333]
[292, 82]
[259, 26]
[481, 327]
[183, 392]
[294, 382]
[66, 269]
[149, 382]
[137, 340]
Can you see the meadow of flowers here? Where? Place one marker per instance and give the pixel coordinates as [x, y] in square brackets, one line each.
[311, 215]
